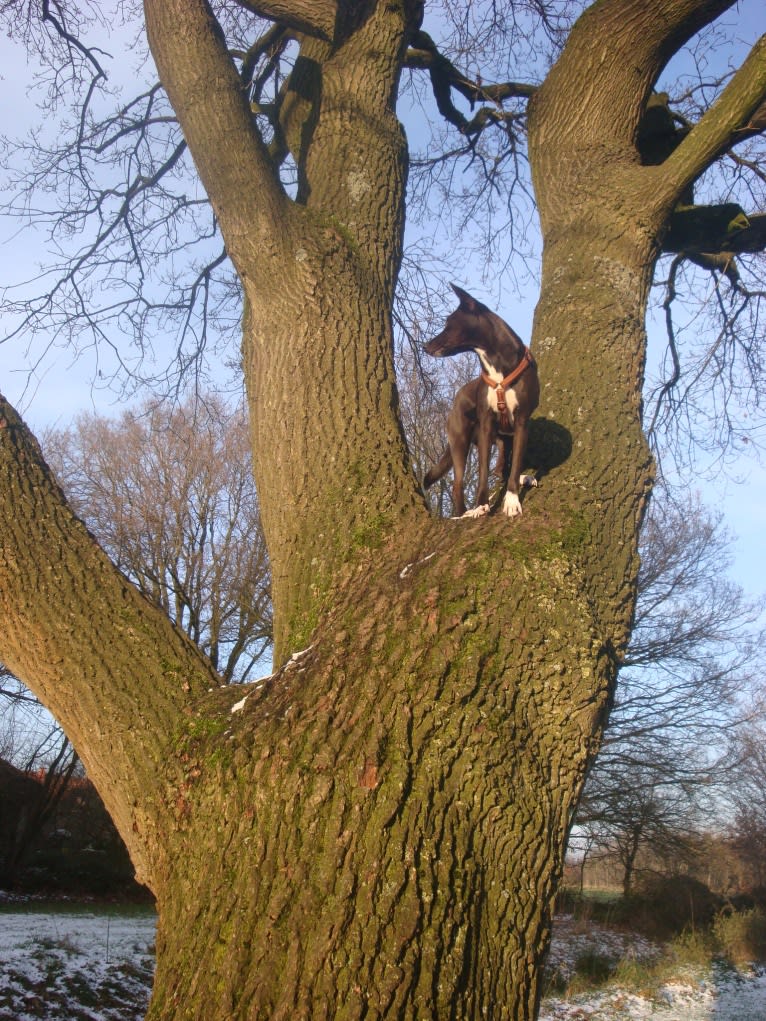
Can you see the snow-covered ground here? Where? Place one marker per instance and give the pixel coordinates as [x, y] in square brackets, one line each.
[89, 966]
[720, 994]
[75, 966]
[724, 999]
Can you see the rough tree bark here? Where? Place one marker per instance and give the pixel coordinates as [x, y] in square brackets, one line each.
[378, 831]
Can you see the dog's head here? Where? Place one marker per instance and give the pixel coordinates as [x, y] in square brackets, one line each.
[461, 330]
[471, 327]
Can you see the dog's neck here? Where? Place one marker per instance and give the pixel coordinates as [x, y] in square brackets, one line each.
[491, 370]
[498, 365]
[503, 354]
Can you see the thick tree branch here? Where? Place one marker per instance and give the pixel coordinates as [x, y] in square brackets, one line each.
[312, 17]
[735, 115]
[604, 91]
[206, 92]
[116, 673]
[706, 229]
[756, 125]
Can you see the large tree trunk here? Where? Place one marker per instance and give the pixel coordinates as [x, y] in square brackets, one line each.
[378, 831]
[382, 834]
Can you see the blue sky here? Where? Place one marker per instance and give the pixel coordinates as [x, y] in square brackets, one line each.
[62, 385]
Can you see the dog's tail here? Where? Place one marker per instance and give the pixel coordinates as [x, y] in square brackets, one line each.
[440, 469]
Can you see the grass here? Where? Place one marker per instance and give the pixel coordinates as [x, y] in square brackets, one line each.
[602, 894]
[740, 936]
[662, 910]
[730, 940]
[72, 996]
[594, 969]
[61, 906]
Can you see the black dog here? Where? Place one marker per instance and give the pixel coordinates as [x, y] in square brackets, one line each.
[492, 409]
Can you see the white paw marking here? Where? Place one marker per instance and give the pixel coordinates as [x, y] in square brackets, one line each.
[527, 482]
[511, 505]
[477, 512]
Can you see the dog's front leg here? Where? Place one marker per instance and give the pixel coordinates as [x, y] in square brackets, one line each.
[511, 502]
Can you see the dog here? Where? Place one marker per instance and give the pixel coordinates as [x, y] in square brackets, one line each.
[495, 408]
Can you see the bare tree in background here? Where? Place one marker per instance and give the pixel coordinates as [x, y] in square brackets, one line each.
[168, 492]
[683, 697]
[31, 742]
[426, 396]
[748, 800]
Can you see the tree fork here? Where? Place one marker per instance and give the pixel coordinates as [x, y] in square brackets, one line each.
[387, 817]
[350, 783]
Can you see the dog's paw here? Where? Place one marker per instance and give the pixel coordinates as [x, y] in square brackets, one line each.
[527, 481]
[477, 512]
[511, 505]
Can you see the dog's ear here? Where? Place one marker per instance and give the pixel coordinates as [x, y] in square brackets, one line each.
[467, 303]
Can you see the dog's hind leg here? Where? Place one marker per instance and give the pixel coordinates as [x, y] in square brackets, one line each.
[502, 466]
[460, 444]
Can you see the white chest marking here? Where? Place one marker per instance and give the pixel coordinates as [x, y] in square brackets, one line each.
[511, 400]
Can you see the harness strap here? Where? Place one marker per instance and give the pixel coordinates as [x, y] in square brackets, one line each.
[500, 388]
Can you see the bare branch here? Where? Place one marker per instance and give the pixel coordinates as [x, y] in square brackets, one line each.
[712, 386]
[670, 383]
[728, 121]
[127, 190]
[445, 77]
[58, 22]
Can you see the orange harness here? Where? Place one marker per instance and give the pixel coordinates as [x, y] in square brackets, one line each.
[502, 386]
